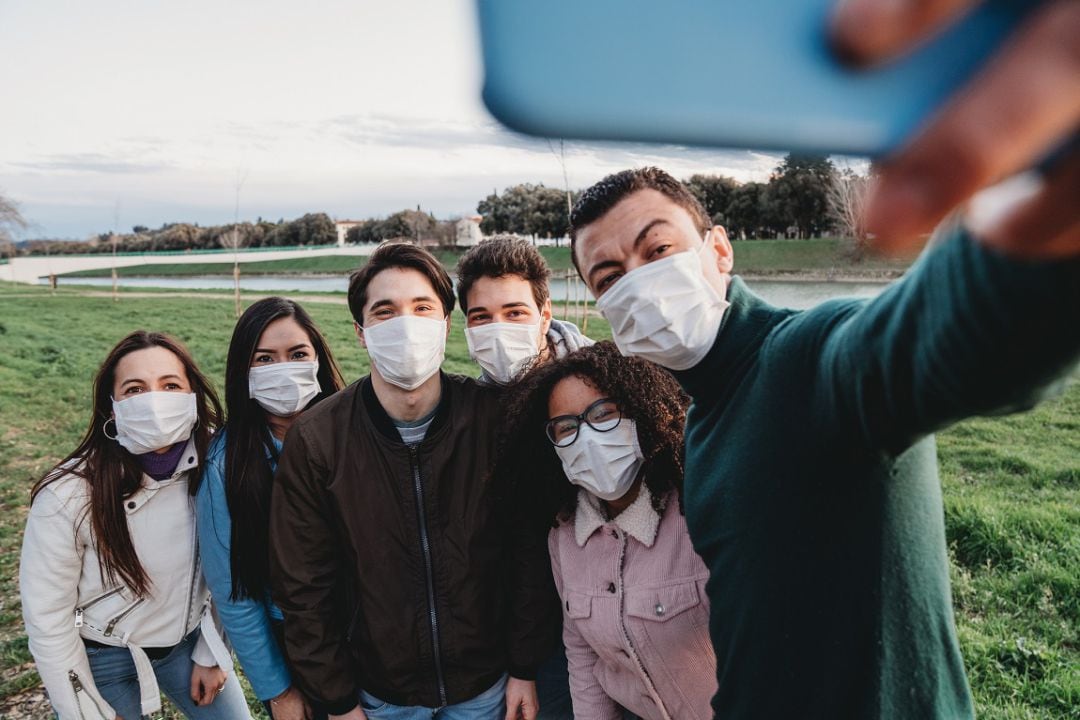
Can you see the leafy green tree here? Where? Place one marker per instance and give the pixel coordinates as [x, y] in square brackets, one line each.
[714, 192]
[359, 233]
[525, 209]
[745, 213]
[797, 193]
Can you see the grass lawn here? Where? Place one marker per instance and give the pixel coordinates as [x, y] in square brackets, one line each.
[1012, 487]
[558, 259]
[761, 257]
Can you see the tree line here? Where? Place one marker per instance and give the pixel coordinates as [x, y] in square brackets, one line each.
[310, 229]
[805, 196]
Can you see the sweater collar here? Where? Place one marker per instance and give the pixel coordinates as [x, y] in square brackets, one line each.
[746, 322]
[640, 520]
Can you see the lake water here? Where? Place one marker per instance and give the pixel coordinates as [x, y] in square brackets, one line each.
[782, 293]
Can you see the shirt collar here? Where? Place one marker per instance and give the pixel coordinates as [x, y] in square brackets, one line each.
[640, 520]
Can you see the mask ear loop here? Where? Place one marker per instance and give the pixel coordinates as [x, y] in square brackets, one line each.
[105, 431]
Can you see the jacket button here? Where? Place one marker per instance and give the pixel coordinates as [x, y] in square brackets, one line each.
[191, 459]
[611, 587]
[659, 610]
[131, 505]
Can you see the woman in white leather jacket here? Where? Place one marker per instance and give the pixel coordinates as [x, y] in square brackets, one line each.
[115, 605]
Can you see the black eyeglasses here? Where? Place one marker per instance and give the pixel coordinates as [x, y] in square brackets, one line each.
[602, 416]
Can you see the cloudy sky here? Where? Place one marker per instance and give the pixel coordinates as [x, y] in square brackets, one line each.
[125, 112]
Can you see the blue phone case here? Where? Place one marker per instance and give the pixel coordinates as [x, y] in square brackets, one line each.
[755, 74]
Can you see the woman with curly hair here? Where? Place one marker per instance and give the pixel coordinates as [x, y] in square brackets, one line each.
[595, 444]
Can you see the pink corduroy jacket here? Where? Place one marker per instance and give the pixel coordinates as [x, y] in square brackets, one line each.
[635, 613]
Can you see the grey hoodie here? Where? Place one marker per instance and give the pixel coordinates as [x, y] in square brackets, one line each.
[564, 337]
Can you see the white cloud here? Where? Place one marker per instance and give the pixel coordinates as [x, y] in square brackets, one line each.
[338, 106]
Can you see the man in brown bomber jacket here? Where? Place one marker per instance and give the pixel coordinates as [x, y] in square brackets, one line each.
[405, 581]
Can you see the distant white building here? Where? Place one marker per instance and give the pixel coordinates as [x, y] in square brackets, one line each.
[343, 227]
[468, 231]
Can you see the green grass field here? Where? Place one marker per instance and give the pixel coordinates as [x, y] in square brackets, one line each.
[752, 257]
[558, 259]
[1012, 487]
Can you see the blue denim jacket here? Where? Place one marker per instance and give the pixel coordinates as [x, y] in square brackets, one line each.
[247, 621]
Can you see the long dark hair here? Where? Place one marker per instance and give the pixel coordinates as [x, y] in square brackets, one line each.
[248, 441]
[112, 473]
[644, 392]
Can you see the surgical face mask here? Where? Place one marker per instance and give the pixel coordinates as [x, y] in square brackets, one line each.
[604, 463]
[665, 311]
[284, 388]
[150, 421]
[407, 350]
[503, 349]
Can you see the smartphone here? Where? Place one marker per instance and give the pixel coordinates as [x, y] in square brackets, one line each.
[733, 73]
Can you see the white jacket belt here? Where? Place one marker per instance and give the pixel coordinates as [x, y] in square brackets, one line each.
[65, 599]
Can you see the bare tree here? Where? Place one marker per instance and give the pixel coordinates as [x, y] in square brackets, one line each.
[581, 305]
[845, 197]
[561, 157]
[114, 238]
[234, 240]
[11, 220]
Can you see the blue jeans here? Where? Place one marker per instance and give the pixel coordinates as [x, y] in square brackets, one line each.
[114, 674]
[488, 705]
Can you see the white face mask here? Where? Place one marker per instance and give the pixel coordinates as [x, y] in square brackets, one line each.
[284, 388]
[604, 463]
[665, 311]
[150, 421]
[407, 350]
[503, 349]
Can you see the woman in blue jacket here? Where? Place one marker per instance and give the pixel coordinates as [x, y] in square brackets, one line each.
[278, 365]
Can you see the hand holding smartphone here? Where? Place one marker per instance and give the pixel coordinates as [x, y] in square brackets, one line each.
[952, 95]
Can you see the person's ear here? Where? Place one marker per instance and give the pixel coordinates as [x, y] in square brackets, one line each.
[449, 318]
[725, 255]
[545, 318]
[359, 334]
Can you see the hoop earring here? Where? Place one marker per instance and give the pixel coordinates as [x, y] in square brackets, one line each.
[105, 426]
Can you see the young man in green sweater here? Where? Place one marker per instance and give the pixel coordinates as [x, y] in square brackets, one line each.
[811, 489]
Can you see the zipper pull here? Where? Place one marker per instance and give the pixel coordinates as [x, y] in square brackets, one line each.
[110, 626]
[75, 681]
[78, 617]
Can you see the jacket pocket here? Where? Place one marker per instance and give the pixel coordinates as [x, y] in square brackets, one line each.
[115, 619]
[662, 603]
[82, 608]
[577, 606]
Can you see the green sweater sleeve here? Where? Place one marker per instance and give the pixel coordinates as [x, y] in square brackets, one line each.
[967, 332]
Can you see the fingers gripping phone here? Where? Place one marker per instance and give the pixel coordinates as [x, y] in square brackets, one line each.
[735, 73]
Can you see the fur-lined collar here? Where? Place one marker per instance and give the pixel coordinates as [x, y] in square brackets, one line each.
[640, 520]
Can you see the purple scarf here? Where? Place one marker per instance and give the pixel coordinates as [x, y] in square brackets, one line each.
[162, 465]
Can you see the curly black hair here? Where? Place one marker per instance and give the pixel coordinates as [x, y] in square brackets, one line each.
[644, 392]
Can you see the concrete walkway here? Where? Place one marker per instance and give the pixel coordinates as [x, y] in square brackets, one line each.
[29, 269]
